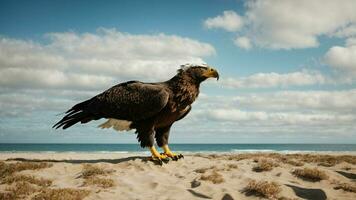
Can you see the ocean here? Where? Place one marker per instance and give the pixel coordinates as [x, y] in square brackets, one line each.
[203, 148]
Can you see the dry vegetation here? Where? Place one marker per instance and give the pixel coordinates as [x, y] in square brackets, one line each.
[61, 194]
[298, 159]
[264, 165]
[25, 178]
[91, 170]
[90, 174]
[232, 166]
[239, 157]
[100, 182]
[294, 162]
[18, 191]
[21, 186]
[214, 177]
[203, 170]
[262, 188]
[346, 187]
[310, 174]
[10, 168]
[26, 186]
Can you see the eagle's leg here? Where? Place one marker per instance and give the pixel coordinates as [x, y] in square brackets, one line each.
[145, 136]
[162, 135]
[156, 154]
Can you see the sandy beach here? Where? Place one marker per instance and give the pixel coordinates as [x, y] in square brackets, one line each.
[197, 176]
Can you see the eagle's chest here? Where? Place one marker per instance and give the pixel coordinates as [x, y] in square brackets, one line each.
[178, 104]
[185, 97]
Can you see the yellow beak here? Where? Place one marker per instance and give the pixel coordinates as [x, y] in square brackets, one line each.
[211, 73]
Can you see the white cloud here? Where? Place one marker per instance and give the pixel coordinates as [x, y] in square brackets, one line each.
[71, 67]
[302, 101]
[343, 58]
[350, 41]
[229, 21]
[23, 104]
[94, 60]
[243, 42]
[277, 118]
[296, 24]
[55, 79]
[290, 24]
[268, 80]
[297, 112]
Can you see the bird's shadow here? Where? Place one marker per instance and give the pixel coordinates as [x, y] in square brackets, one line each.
[78, 161]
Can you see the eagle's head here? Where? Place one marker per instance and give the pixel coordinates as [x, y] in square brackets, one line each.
[199, 72]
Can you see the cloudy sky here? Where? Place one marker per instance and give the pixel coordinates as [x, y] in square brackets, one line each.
[288, 68]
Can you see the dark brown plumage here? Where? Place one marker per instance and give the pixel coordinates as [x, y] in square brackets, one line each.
[151, 108]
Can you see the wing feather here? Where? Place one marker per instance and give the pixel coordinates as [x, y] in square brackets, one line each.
[130, 101]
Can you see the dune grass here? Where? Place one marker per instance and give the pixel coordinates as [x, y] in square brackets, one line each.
[26, 178]
[264, 189]
[214, 177]
[10, 168]
[61, 194]
[25, 186]
[21, 186]
[294, 162]
[100, 182]
[204, 169]
[324, 160]
[91, 170]
[346, 187]
[264, 165]
[91, 175]
[232, 166]
[19, 190]
[310, 174]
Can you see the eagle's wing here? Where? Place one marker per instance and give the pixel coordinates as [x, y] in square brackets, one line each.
[132, 101]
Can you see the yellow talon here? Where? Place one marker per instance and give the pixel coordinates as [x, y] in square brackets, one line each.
[170, 154]
[156, 154]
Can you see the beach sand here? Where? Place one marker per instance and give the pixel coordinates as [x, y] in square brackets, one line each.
[197, 176]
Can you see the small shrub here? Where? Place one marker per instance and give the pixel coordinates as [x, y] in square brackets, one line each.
[203, 170]
[100, 182]
[311, 174]
[10, 168]
[90, 170]
[90, 174]
[7, 196]
[294, 162]
[61, 194]
[238, 157]
[264, 165]
[326, 164]
[262, 188]
[21, 190]
[346, 187]
[232, 166]
[25, 178]
[214, 177]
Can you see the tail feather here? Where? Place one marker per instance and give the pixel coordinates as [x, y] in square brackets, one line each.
[74, 115]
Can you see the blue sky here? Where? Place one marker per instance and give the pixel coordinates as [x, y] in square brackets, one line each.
[287, 69]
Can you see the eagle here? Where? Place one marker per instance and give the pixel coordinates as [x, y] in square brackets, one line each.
[149, 108]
